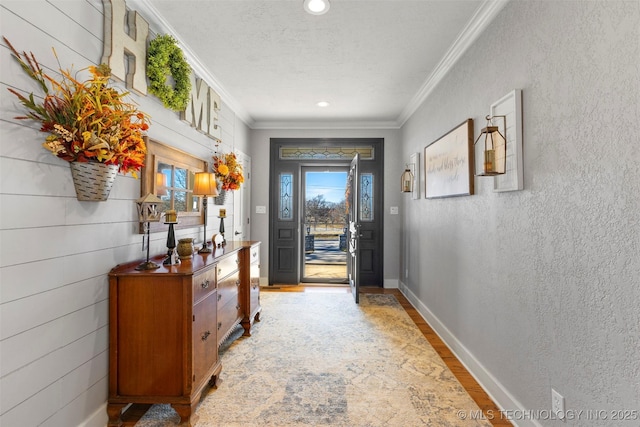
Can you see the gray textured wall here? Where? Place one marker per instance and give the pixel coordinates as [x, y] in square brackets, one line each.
[541, 288]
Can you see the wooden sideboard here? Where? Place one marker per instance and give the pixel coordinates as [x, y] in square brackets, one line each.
[165, 326]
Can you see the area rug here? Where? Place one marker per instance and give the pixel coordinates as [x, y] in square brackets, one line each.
[318, 359]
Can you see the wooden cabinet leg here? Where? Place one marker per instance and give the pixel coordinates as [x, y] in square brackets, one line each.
[114, 411]
[247, 329]
[187, 414]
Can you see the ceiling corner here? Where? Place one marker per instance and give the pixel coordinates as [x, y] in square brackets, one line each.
[486, 13]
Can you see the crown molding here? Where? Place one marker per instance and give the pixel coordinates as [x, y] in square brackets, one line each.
[477, 24]
[158, 23]
[323, 125]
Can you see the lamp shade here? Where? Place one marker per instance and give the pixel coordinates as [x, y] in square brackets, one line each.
[205, 184]
[161, 184]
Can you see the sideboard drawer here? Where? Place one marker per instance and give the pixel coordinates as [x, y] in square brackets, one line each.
[254, 256]
[203, 284]
[228, 316]
[228, 265]
[228, 289]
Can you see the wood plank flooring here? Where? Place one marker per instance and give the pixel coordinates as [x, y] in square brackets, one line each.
[477, 393]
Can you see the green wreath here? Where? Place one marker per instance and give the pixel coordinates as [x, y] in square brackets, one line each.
[164, 58]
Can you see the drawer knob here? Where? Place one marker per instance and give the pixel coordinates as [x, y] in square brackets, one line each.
[219, 271]
[255, 254]
[205, 335]
[205, 285]
[237, 306]
[238, 282]
[219, 297]
[219, 325]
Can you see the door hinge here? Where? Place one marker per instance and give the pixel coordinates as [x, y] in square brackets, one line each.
[194, 317]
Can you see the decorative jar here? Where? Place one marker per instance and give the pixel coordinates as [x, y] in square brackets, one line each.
[185, 248]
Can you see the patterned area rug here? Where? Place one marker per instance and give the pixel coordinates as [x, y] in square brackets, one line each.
[319, 359]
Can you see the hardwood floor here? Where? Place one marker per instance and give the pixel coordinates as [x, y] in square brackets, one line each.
[477, 393]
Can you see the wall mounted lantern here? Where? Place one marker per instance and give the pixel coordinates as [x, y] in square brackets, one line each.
[406, 181]
[494, 150]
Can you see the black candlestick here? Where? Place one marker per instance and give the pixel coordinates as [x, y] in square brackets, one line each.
[224, 241]
[171, 258]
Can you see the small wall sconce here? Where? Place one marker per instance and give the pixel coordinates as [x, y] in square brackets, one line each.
[406, 181]
[149, 210]
[205, 185]
[494, 150]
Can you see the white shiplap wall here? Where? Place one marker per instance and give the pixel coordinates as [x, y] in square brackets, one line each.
[55, 252]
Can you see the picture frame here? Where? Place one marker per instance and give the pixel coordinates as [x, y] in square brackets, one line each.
[448, 163]
[510, 106]
[414, 167]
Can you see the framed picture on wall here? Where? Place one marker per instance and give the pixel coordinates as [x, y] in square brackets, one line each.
[510, 106]
[448, 163]
[414, 167]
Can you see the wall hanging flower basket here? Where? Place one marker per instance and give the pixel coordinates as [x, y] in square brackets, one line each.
[90, 124]
[93, 181]
[221, 198]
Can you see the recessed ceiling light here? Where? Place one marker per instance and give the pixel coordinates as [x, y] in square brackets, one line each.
[316, 7]
[322, 104]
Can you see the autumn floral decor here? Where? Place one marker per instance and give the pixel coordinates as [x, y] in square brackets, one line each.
[87, 122]
[228, 171]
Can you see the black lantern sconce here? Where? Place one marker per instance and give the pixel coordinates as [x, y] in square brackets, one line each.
[149, 210]
[494, 150]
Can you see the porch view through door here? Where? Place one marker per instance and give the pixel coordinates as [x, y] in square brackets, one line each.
[325, 224]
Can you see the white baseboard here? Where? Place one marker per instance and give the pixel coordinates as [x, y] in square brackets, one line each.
[98, 418]
[510, 406]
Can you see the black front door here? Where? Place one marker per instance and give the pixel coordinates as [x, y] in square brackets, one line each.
[288, 158]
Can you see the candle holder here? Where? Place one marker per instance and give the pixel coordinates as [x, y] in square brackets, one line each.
[222, 215]
[149, 210]
[171, 218]
[221, 230]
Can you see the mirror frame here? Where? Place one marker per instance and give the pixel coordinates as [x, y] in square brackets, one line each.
[158, 152]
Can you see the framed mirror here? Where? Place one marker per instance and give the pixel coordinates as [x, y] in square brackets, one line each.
[169, 174]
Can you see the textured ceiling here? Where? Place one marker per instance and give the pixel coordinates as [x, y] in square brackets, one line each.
[272, 62]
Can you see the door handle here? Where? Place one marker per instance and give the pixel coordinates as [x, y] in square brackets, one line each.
[237, 232]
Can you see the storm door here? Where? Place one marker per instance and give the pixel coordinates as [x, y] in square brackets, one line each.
[325, 224]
